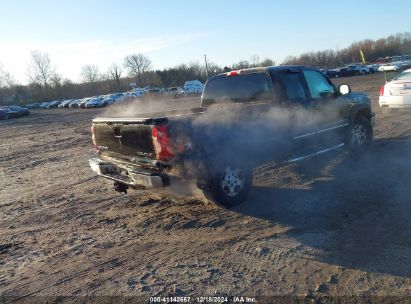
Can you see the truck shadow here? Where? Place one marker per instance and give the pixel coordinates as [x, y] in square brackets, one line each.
[357, 217]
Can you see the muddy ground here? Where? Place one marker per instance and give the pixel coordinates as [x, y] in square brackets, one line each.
[336, 225]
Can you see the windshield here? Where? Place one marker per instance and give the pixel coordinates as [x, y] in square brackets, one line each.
[239, 88]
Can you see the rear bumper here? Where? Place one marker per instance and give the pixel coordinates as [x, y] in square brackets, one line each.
[129, 176]
[396, 102]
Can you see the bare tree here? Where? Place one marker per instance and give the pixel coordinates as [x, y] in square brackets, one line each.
[9, 80]
[40, 69]
[8, 85]
[254, 61]
[1, 75]
[137, 65]
[90, 73]
[56, 80]
[115, 73]
[243, 64]
[267, 62]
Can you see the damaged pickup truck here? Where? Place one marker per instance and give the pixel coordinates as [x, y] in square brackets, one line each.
[247, 117]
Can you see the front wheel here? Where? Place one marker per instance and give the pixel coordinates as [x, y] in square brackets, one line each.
[360, 134]
[230, 185]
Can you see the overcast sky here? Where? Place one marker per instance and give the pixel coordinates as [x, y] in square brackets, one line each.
[75, 33]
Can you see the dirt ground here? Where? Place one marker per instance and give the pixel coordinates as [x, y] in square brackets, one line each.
[335, 226]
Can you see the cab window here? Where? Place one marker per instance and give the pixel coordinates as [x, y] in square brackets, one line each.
[248, 87]
[318, 84]
[288, 86]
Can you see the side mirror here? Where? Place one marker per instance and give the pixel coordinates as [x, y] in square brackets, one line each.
[344, 89]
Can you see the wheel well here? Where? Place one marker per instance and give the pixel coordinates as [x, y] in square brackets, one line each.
[364, 112]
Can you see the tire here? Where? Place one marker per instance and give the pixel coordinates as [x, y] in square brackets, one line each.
[229, 186]
[360, 134]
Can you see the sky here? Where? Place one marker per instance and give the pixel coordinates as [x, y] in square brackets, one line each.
[75, 33]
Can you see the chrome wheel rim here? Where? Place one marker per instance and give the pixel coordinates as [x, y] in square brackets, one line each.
[232, 181]
[358, 135]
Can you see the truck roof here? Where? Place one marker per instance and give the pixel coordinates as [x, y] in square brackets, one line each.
[265, 69]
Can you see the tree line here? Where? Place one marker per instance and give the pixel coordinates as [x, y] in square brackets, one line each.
[393, 45]
[45, 83]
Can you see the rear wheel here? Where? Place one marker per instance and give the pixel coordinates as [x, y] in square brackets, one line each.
[230, 185]
[360, 134]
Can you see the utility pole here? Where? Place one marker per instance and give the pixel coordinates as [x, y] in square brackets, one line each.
[206, 66]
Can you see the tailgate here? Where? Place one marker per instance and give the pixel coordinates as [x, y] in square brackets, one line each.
[128, 137]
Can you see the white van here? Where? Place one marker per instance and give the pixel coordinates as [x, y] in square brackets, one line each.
[193, 87]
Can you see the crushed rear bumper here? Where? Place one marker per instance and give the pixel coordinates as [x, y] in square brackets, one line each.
[132, 177]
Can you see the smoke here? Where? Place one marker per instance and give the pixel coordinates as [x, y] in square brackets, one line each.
[243, 134]
[149, 107]
[205, 139]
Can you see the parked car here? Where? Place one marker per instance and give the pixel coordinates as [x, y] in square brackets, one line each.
[116, 95]
[324, 71]
[75, 104]
[120, 97]
[15, 111]
[3, 114]
[33, 105]
[140, 93]
[152, 91]
[396, 94]
[108, 101]
[342, 72]
[53, 104]
[7, 113]
[348, 72]
[45, 104]
[21, 111]
[95, 103]
[388, 67]
[373, 67]
[362, 69]
[333, 73]
[83, 102]
[176, 92]
[65, 103]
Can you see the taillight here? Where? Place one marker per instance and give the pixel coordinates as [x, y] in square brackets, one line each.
[382, 90]
[93, 136]
[161, 142]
